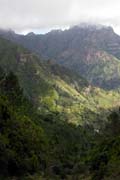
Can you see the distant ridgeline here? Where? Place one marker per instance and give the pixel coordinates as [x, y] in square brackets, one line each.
[90, 50]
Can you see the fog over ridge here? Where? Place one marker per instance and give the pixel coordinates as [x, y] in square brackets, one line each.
[43, 15]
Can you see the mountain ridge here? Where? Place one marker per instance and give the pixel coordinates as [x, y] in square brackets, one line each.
[93, 51]
[53, 123]
[52, 87]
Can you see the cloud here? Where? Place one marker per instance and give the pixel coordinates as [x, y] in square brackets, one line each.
[24, 15]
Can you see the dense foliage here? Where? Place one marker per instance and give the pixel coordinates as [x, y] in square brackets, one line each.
[53, 125]
[105, 156]
[31, 143]
[52, 87]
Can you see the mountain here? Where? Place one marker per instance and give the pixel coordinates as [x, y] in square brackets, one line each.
[32, 145]
[90, 50]
[52, 87]
[53, 123]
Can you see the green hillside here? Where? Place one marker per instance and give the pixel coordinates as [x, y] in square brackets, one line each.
[54, 88]
[31, 145]
[53, 124]
[45, 146]
[90, 50]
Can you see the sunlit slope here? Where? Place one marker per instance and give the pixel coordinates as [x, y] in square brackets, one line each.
[54, 88]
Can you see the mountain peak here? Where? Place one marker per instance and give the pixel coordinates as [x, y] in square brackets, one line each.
[31, 34]
[7, 31]
[93, 27]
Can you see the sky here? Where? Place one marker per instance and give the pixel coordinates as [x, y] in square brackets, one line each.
[40, 16]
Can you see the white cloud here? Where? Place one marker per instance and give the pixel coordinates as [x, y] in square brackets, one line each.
[24, 15]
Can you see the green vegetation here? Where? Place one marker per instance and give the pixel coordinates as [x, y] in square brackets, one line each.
[32, 143]
[51, 87]
[53, 124]
[91, 51]
[105, 156]
[45, 146]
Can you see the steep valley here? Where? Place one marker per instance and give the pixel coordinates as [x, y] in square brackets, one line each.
[54, 123]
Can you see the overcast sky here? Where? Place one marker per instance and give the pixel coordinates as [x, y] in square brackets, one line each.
[42, 15]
